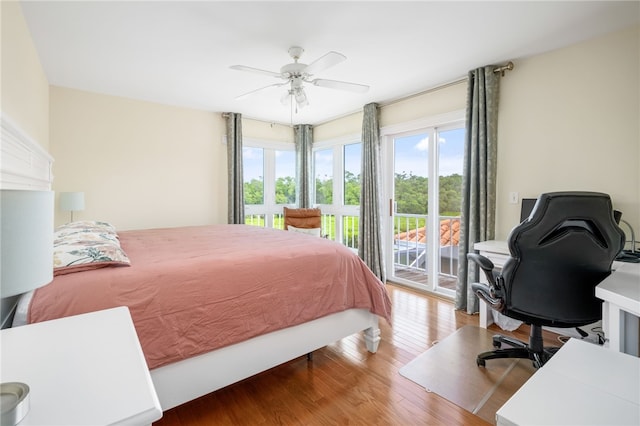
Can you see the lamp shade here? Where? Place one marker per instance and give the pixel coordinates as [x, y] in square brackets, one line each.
[71, 201]
[26, 234]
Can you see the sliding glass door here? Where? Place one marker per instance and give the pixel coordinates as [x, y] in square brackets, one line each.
[424, 206]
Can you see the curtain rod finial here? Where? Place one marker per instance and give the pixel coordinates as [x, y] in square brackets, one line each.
[508, 67]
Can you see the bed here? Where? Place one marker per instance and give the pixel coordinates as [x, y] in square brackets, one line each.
[213, 305]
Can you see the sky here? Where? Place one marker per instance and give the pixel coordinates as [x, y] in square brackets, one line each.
[411, 156]
[411, 153]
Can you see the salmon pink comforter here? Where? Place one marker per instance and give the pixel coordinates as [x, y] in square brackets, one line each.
[194, 289]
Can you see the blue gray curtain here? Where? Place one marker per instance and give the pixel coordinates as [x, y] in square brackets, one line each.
[370, 247]
[234, 168]
[303, 138]
[479, 178]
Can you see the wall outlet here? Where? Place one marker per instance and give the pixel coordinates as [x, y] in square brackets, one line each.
[513, 198]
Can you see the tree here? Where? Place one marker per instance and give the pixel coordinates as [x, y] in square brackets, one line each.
[324, 191]
[285, 190]
[351, 189]
[450, 195]
[411, 193]
[254, 191]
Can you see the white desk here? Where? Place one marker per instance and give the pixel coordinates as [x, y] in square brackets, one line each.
[82, 370]
[582, 384]
[620, 292]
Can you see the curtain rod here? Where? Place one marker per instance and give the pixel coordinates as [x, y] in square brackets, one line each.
[424, 92]
[501, 69]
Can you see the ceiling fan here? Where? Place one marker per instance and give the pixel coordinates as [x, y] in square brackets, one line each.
[296, 74]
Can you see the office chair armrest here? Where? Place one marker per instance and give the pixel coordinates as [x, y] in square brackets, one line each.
[487, 293]
[486, 265]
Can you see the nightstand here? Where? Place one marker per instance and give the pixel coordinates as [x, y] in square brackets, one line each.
[82, 370]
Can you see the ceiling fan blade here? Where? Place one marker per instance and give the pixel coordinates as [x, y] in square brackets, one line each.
[255, 70]
[324, 62]
[340, 85]
[246, 95]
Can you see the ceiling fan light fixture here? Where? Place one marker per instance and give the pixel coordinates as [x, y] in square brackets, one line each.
[301, 97]
[284, 100]
[296, 74]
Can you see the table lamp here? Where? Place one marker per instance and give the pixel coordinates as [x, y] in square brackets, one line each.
[26, 262]
[71, 201]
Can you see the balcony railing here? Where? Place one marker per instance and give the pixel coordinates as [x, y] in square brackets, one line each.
[411, 241]
[410, 238]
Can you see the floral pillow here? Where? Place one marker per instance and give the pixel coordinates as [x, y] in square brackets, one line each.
[85, 226]
[85, 246]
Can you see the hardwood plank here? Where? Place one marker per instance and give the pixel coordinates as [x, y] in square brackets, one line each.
[344, 384]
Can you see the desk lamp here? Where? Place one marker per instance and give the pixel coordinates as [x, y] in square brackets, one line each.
[26, 262]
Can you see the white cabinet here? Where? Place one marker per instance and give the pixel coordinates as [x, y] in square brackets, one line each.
[582, 384]
[82, 370]
[621, 308]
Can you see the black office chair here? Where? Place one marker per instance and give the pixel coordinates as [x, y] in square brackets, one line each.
[558, 256]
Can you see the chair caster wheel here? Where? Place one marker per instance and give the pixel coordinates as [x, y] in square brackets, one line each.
[480, 362]
[497, 343]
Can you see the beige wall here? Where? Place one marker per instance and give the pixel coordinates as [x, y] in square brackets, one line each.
[140, 165]
[570, 120]
[143, 165]
[24, 87]
[268, 131]
[435, 102]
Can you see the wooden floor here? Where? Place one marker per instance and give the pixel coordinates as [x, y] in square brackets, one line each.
[344, 384]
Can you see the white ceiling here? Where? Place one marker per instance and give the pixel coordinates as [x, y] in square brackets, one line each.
[179, 53]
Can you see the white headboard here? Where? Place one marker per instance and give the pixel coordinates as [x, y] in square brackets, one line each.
[24, 164]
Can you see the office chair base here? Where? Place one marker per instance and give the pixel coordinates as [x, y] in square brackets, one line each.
[522, 351]
[534, 350]
[499, 339]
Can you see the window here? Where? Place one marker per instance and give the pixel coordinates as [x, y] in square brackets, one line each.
[285, 171]
[352, 168]
[269, 181]
[339, 199]
[323, 171]
[253, 170]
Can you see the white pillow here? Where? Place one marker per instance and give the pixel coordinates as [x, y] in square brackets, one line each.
[309, 231]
